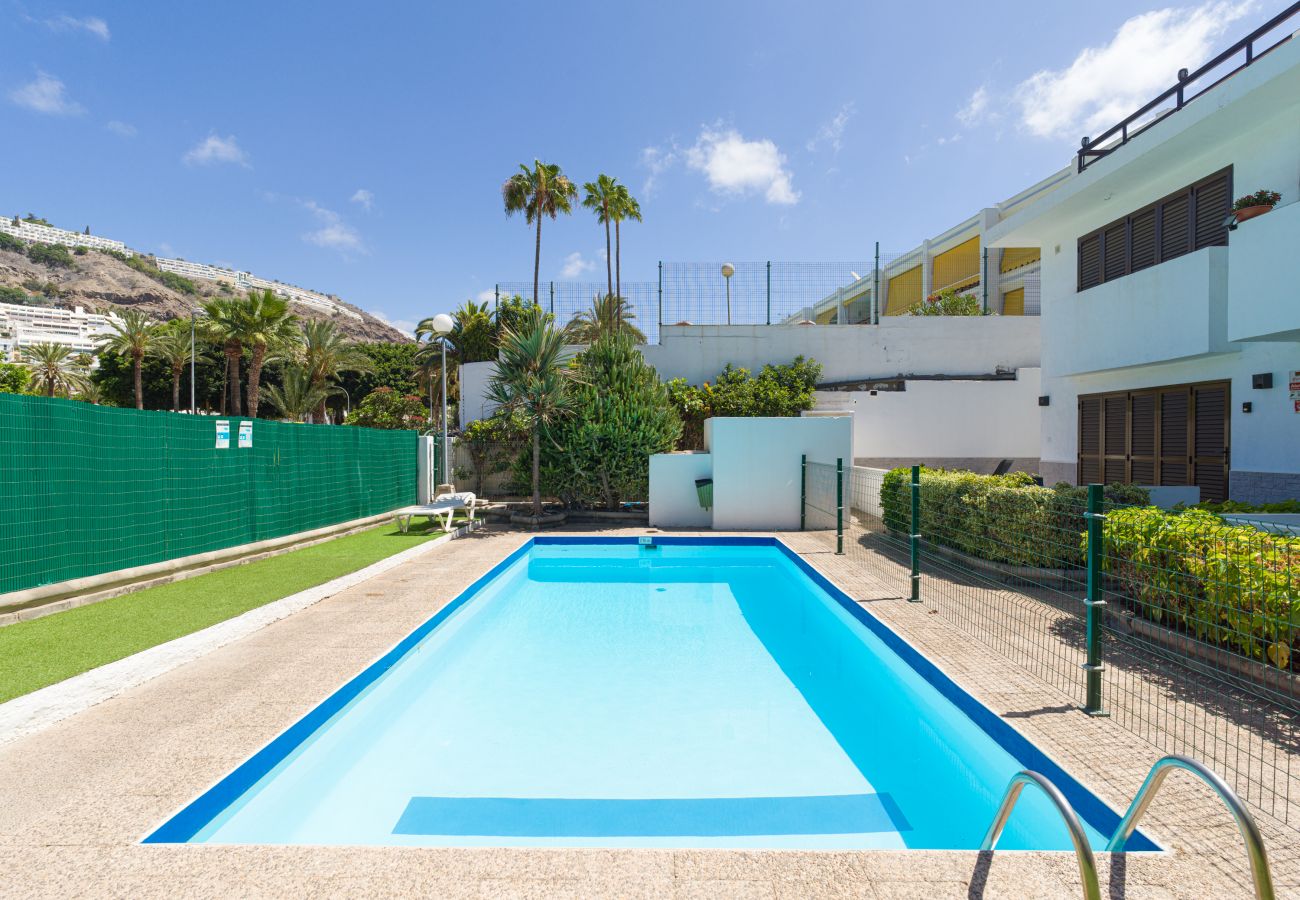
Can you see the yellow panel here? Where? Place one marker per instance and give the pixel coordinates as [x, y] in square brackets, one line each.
[1015, 257]
[1013, 302]
[904, 292]
[957, 268]
[826, 316]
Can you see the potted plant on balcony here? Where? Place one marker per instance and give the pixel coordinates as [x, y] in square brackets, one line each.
[1255, 204]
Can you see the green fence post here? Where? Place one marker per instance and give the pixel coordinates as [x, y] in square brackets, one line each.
[496, 298]
[914, 539]
[552, 297]
[769, 292]
[875, 289]
[661, 297]
[984, 281]
[839, 507]
[803, 490]
[1093, 603]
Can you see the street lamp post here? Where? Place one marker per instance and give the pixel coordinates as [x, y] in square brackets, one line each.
[727, 271]
[193, 406]
[442, 326]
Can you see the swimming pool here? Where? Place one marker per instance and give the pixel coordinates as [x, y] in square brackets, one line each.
[595, 692]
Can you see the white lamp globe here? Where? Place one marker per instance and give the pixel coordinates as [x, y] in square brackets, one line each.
[728, 270]
[442, 324]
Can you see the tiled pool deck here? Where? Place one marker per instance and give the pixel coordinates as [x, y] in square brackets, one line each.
[76, 798]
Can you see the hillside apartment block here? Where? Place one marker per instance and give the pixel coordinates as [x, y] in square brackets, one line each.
[22, 326]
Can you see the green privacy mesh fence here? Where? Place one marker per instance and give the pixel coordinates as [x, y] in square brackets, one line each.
[87, 489]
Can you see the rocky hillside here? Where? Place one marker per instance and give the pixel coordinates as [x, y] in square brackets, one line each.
[102, 283]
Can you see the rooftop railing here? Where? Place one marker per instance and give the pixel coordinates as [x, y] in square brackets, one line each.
[1185, 90]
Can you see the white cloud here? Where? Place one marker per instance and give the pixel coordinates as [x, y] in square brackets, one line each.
[121, 129]
[658, 160]
[214, 150]
[831, 134]
[976, 107]
[575, 265]
[485, 295]
[333, 232]
[363, 198]
[734, 165]
[1104, 84]
[45, 94]
[89, 24]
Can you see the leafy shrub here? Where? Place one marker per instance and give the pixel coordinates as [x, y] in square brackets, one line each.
[492, 444]
[56, 256]
[600, 455]
[116, 254]
[1262, 197]
[1233, 586]
[79, 251]
[11, 243]
[1235, 506]
[785, 390]
[1001, 518]
[385, 408]
[14, 378]
[168, 279]
[950, 303]
[12, 295]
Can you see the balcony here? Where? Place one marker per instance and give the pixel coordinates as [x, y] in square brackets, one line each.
[1263, 274]
[1173, 311]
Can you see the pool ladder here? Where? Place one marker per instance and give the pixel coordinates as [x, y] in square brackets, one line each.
[1259, 871]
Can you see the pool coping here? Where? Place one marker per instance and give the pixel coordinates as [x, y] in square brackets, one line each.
[186, 821]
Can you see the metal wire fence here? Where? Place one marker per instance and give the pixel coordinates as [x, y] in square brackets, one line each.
[1195, 623]
[566, 299]
[91, 489]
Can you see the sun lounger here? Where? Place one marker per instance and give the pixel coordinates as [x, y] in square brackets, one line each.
[443, 505]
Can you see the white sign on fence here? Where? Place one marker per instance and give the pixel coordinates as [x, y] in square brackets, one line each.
[223, 434]
[245, 435]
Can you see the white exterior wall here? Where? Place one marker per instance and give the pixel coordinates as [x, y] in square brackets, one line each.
[1252, 123]
[673, 500]
[22, 326]
[756, 466]
[474, 404]
[944, 419]
[46, 234]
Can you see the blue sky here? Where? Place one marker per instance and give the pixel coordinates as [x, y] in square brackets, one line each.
[359, 149]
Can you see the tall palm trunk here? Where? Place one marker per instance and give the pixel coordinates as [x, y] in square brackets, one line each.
[255, 378]
[537, 262]
[537, 472]
[609, 272]
[137, 364]
[618, 261]
[233, 353]
[176, 387]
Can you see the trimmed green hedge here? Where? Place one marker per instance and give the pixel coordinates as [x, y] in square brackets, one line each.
[1001, 518]
[1231, 585]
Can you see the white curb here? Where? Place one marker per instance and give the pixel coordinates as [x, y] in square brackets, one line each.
[32, 712]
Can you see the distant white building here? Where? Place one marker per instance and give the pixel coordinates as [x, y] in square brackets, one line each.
[22, 326]
[46, 234]
[1171, 332]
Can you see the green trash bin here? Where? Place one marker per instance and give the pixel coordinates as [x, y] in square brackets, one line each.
[704, 490]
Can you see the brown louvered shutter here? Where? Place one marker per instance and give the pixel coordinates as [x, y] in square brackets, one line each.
[1089, 440]
[1089, 262]
[1212, 205]
[1142, 443]
[1114, 252]
[1142, 232]
[1114, 437]
[1175, 227]
[1174, 408]
[1210, 441]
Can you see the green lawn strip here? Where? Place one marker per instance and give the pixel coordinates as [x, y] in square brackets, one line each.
[47, 650]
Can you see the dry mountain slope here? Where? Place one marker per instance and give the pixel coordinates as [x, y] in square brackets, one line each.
[102, 283]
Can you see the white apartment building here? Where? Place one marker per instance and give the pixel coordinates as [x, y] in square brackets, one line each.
[1006, 280]
[22, 326]
[46, 234]
[1171, 332]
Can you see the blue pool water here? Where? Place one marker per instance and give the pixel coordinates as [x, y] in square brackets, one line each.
[598, 693]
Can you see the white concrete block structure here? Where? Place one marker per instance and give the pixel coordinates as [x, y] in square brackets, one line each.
[47, 234]
[22, 326]
[1171, 334]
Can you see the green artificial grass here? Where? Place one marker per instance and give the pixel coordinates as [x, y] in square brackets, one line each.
[44, 651]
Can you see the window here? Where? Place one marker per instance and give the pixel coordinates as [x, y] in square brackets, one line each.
[1181, 223]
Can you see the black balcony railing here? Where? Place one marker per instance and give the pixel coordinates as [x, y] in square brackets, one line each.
[1186, 89]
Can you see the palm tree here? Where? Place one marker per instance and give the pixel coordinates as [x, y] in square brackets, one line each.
[610, 314]
[90, 393]
[297, 395]
[327, 352]
[268, 327]
[223, 324]
[133, 334]
[54, 369]
[538, 192]
[624, 206]
[172, 346]
[601, 197]
[533, 377]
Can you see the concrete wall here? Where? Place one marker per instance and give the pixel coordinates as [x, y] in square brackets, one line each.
[474, 404]
[949, 419]
[756, 470]
[673, 500]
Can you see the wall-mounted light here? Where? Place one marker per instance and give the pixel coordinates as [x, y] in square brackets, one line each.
[1045, 400]
[1262, 382]
[1246, 407]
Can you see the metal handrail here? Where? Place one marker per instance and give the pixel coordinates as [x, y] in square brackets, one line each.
[1091, 147]
[1082, 849]
[1259, 872]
